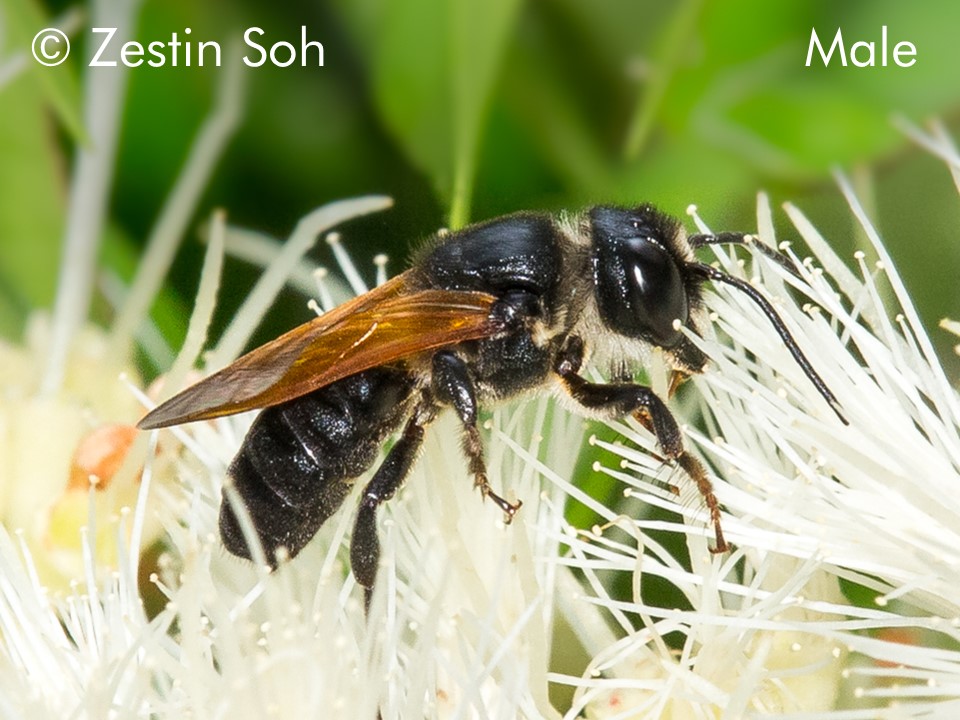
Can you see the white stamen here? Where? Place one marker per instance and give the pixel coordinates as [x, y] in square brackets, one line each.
[89, 189]
[181, 203]
[347, 267]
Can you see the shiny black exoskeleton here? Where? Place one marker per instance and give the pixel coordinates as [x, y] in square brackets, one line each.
[294, 467]
[602, 287]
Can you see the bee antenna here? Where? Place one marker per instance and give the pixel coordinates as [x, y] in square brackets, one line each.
[711, 273]
[736, 238]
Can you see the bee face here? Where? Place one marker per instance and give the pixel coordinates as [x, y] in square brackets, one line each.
[640, 290]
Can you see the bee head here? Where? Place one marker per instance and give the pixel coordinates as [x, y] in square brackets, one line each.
[647, 285]
[642, 291]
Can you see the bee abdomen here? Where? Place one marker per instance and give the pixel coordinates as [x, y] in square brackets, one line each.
[297, 463]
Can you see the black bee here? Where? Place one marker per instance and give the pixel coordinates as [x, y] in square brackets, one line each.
[515, 304]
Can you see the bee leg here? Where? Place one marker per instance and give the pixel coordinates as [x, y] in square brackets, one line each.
[365, 544]
[616, 400]
[453, 386]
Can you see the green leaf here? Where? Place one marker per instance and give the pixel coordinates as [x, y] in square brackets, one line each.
[434, 71]
[31, 205]
[759, 102]
[59, 84]
[671, 47]
[549, 106]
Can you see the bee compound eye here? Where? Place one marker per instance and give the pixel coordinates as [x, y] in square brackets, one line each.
[640, 290]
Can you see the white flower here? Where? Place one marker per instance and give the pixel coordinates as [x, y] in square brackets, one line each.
[469, 613]
[465, 614]
[55, 448]
[818, 512]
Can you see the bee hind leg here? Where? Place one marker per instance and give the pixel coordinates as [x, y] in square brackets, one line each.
[365, 543]
[453, 386]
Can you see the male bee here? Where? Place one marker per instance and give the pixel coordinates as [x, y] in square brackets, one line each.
[515, 304]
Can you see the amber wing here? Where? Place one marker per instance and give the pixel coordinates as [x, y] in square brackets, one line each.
[385, 325]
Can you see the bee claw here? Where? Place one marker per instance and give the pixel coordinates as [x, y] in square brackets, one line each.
[677, 378]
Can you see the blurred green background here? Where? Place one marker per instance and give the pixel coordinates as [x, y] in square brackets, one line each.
[463, 111]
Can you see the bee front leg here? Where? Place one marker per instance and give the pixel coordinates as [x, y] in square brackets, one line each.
[452, 385]
[365, 543]
[615, 400]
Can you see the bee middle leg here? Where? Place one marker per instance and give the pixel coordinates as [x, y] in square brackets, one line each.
[453, 386]
[616, 400]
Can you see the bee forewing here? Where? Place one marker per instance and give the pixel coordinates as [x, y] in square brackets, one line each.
[386, 325]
